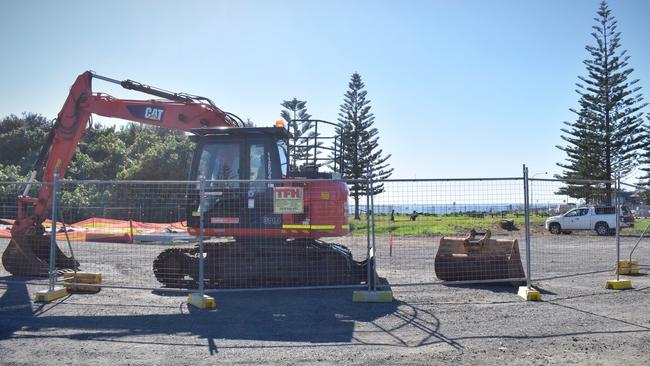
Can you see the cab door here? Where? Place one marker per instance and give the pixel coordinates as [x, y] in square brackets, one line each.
[261, 167]
[570, 221]
[576, 219]
[219, 162]
[583, 220]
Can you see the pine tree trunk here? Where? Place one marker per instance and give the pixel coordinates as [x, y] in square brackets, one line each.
[356, 207]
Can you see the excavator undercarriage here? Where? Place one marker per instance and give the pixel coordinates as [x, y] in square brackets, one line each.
[261, 263]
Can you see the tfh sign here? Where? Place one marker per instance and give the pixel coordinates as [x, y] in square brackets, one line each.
[288, 200]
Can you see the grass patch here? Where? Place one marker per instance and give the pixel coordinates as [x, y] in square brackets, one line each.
[639, 226]
[435, 225]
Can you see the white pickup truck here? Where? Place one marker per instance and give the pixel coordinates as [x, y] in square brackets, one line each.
[602, 219]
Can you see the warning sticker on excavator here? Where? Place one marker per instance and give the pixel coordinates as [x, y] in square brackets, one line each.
[288, 200]
[224, 220]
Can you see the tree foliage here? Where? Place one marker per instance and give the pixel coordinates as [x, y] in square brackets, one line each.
[157, 154]
[301, 131]
[608, 134]
[362, 156]
[133, 152]
[22, 138]
[644, 160]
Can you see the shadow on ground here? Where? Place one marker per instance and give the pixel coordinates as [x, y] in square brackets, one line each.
[306, 318]
[315, 316]
[499, 288]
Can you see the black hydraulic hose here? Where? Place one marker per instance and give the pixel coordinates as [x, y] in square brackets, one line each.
[177, 97]
[45, 149]
[238, 121]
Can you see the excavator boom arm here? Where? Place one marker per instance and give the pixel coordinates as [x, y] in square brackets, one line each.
[181, 112]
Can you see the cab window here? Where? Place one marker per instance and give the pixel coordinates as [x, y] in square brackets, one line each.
[258, 161]
[282, 152]
[577, 212]
[220, 161]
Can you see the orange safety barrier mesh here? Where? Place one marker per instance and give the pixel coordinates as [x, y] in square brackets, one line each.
[100, 229]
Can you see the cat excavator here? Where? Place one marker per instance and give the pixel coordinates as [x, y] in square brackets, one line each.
[272, 230]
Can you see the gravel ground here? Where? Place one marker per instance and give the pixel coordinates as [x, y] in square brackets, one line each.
[579, 322]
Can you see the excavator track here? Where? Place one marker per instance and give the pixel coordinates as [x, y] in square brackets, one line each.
[261, 263]
[173, 265]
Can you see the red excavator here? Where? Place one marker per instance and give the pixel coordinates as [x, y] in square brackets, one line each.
[274, 226]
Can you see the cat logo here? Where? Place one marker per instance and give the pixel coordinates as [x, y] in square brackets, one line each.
[154, 114]
[151, 113]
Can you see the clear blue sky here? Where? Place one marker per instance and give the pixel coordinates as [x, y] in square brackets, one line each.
[459, 88]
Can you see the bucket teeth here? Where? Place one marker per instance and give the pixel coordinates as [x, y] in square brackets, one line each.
[476, 259]
[28, 256]
[20, 260]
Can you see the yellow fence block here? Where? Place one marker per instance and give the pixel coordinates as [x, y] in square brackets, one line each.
[618, 285]
[529, 294]
[628, 267]
[201, 302]
[49, 296]
[372, 296]
[82, 282]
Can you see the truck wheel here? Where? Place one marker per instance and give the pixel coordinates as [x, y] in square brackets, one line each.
[555, 228]
[602, 228]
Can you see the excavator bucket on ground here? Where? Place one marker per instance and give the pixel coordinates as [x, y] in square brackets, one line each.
[29, 255]
[472, 258]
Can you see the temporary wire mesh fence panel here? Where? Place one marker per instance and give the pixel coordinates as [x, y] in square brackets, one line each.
[261, 234]
[35, 242]
[257, 234]
[423, 230]
[119, 228]
[282, 235]
[635, 241]
[573, 228]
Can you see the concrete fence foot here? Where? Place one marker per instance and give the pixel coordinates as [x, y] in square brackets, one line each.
[201, 302]
[618, 284]
[529, 293]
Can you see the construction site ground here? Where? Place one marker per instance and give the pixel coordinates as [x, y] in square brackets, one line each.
[578, 321]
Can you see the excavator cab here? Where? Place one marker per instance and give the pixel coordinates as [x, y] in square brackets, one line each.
[230, 161]
[283, 204]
